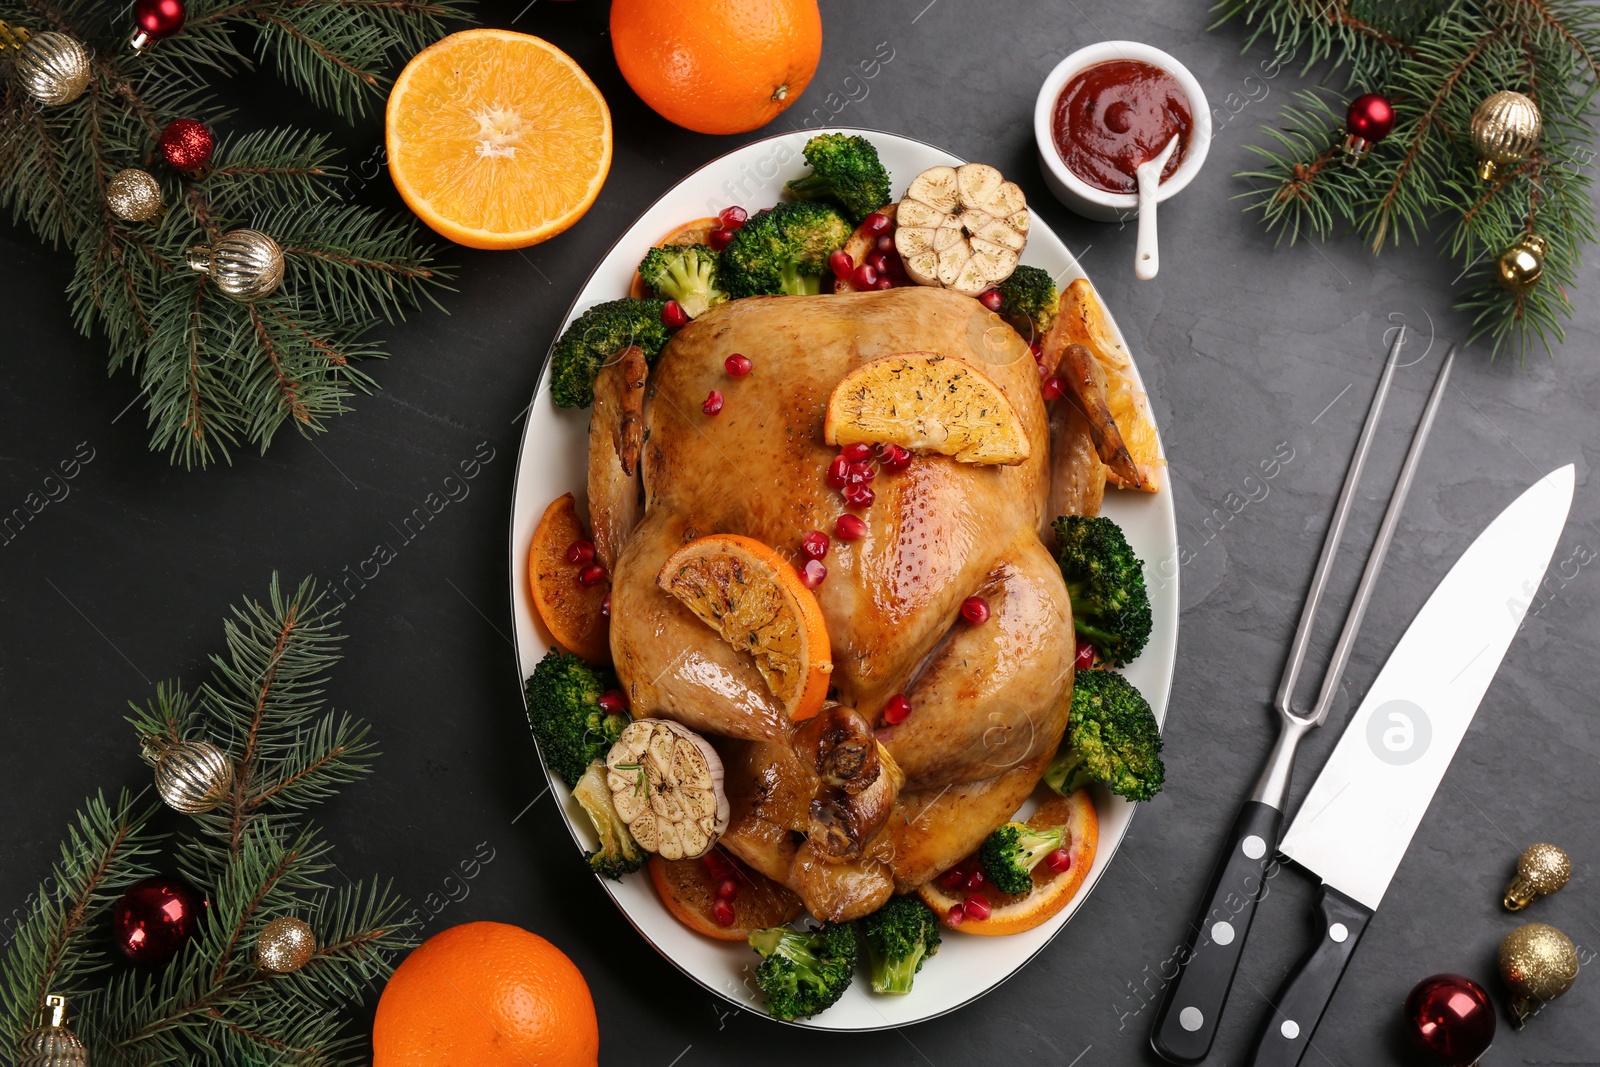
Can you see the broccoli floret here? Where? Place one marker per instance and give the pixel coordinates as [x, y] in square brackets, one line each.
[619, 853]
[1028, 300]
[1112, 738]
[803, 973]
[568, 722]
[900, 936]
[596, 336]
[783, 251]
[685, 273]
[846, 170]
[1010, 854]
[1110, 605]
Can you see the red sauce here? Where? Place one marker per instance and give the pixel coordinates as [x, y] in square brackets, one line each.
[1114, 116]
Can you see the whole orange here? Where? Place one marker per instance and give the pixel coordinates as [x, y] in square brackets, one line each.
[717, 66]
[488, 995]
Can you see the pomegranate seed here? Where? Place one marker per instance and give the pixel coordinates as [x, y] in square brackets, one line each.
[857, 452]
[896, 710]
[605, 607]
[977, 908]
[841, 264]
[991, 299]
[720, 238]
[733, 217]
[864, 277]
[839, 472]
[815, 544]
[876, 222]
[672, 314]
[1085, 656]
[722, 912]
[878, 262]
[1053, 387]
[613, 701]
[580, 552]
[861, 473]
[1044, 371]
[1036, 348]
[952, 878]
[717, 864]
[812, 574]
[859, 496]
[591, 575]
[884, 282]
[849, 527]
[955, 916]
[737, 365]
[894, 458]
[975, 610]
[975, 881]
[713, 403]
[1059, 861]
[727, 889]
[884, 244]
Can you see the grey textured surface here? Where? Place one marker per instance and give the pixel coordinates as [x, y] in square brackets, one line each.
[1247, 350]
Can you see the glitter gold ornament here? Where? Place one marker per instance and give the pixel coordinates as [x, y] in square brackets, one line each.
[245, 264]
[1520, 267]
[53, 1045]
[51, 67]
[191, 776]
[1505, 129]
[1541, 870]
[134, 195]
[285, 945]
[1538, 963]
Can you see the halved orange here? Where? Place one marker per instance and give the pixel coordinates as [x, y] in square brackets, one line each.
[693, 232]
[928, 403]
[570, 610]
[1050, 893]
[751, 595]
[497, 139]
[688, 888]
[1082, 320]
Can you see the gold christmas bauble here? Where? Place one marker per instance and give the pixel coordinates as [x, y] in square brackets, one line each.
[1541, 870]
[285, 945]
[53, 1045]
[1505, 129]
[134, 195]
[1520, 267]
[245, 264]
[1538, 963]
[53, 68]
[191, 776]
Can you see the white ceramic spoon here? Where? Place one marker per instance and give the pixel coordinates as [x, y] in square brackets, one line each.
[1147, 256]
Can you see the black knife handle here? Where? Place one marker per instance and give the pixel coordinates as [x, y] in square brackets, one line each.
[1299, 1005]
[1187, 1022]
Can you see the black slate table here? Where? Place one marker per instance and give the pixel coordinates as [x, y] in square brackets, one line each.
[1249, 351]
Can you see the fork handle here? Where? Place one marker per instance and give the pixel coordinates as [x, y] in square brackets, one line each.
[1187, 1022]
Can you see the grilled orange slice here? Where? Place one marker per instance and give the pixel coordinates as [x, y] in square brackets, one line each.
[927, 403]
[688, 888]
[750, 595]
[1051, 892]
[570, 610]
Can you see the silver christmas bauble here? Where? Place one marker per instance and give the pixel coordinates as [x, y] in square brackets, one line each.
[53, 68]
[245, 264]
[134, 195]
[285, 945]
[191, 776]
[53, 1045]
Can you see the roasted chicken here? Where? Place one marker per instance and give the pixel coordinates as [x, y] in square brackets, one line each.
[848, 809]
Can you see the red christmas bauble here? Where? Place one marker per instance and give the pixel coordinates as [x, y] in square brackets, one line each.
[158, 18]
[1371, 117]
[186, 145]
[1450, 1020]
[155, 918]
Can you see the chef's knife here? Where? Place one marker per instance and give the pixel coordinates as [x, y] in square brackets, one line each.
[1359, 817]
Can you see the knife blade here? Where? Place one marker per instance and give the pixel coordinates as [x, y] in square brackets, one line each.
[1354, 827]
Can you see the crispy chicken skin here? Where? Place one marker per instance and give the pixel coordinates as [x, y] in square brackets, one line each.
[989, 702]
